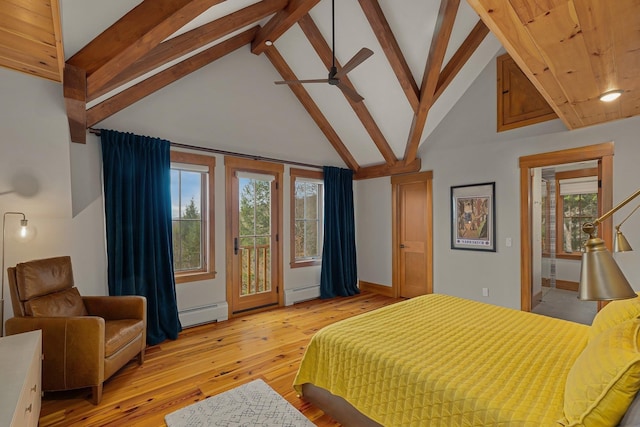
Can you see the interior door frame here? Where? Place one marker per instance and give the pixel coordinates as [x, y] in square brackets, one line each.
[603, 153]
[396, 181]
[233, 164]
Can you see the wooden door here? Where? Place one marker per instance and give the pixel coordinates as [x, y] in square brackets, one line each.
[413, 237]
[253, 235]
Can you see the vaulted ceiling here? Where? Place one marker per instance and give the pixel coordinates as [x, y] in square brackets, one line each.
[426, 53]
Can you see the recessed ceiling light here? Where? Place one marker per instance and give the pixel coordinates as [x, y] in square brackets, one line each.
[611, 95]
[268, 42]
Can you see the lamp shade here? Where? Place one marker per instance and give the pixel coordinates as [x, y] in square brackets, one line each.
[600, 277]
[621, 244]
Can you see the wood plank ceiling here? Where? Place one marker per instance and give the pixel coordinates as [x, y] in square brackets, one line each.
[571, 50]
[30, 37]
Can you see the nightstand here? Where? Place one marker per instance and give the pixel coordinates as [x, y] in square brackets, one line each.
[21, 373]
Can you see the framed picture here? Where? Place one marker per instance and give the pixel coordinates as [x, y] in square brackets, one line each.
[473, 217]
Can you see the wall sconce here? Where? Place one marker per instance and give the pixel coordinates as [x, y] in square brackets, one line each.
[600, 277]
[23, 233]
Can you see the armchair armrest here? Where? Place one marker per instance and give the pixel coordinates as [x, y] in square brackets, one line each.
[73, 349]
[117, 307]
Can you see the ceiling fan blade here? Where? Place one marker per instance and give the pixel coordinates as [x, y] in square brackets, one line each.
[357, 59]
[293, 82]
[355, 96]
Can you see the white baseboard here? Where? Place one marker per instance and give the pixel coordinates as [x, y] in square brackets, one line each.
[292, 296]
[204, 314]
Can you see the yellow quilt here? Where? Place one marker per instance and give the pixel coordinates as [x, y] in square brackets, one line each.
[439, 360]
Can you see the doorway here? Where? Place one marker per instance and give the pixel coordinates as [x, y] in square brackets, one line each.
[253, 243]
[602, 154]
[412, 235]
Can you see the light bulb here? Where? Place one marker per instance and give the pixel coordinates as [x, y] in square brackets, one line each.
[25, 233]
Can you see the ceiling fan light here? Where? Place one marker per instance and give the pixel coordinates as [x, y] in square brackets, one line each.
[612, 95]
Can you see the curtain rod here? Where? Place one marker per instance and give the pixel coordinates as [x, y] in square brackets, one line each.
[229, 153]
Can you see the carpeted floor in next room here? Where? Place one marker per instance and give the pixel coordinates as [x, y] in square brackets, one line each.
[563, 304]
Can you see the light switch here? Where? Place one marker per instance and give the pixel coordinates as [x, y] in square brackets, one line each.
[508, 242]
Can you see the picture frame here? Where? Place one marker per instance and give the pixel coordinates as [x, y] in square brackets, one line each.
[473, 217]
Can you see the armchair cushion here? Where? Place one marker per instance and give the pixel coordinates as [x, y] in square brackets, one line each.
[67, 303]
[119, 333]
[44, 276]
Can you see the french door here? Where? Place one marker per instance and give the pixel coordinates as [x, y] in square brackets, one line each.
[254, 223]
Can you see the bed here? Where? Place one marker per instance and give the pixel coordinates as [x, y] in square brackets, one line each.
[439, 360]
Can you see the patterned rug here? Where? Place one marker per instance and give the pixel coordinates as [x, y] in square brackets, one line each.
[251, 404]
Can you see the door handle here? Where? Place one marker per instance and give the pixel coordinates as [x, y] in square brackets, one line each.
[235, 246]
[401, 246]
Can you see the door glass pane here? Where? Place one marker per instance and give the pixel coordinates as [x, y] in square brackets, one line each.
[255, 236]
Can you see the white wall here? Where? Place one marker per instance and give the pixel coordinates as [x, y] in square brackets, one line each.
[35, 150]
[465, 149]
[373, 230]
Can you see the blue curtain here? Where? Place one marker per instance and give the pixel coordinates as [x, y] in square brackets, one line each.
[339, 274]
[137, 193]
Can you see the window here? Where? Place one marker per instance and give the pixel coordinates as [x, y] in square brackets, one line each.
[576, 204]
[307, 206]
[192, 216]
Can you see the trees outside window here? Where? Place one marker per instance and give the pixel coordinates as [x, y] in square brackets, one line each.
[307, 200]
[576, 204]
[192, 216]
[577, 209]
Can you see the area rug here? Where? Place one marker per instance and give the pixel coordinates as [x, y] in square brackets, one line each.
[251, 404]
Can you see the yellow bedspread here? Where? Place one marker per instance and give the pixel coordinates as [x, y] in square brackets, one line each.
[439, 360]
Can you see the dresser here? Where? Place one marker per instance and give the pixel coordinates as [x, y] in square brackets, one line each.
[20, 379]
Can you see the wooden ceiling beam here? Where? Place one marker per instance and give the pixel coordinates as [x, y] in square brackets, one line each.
[378, 171]
[181, 45]
[439, 43]
[462, 55]
[280, 23]
[135, 93]
[134, 35]
[387, 40]
[75, 101]
[307, 102]
[324, 52]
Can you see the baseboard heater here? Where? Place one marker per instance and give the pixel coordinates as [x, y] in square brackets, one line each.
[292, 296]
[204, 314]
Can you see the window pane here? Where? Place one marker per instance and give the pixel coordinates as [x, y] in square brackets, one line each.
[299, 239]
[186, 202]
[307, 224]
[590, 205]
[311, 201]
[175, 193]
[191, 191]
[263, 207]
[300, 191]
[311, 239]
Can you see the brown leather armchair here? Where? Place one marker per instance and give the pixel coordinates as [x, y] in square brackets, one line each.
[85, 340]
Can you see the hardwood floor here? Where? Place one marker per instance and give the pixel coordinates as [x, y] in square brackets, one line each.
[207, 360]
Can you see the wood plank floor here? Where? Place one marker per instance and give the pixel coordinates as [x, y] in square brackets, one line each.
[207, 360]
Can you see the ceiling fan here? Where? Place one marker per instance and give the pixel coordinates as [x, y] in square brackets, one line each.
[334, 74]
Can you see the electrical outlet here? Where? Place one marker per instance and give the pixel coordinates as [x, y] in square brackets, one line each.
[485, 292]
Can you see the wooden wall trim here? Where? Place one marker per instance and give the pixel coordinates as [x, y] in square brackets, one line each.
[387, 291]
[603, 153]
